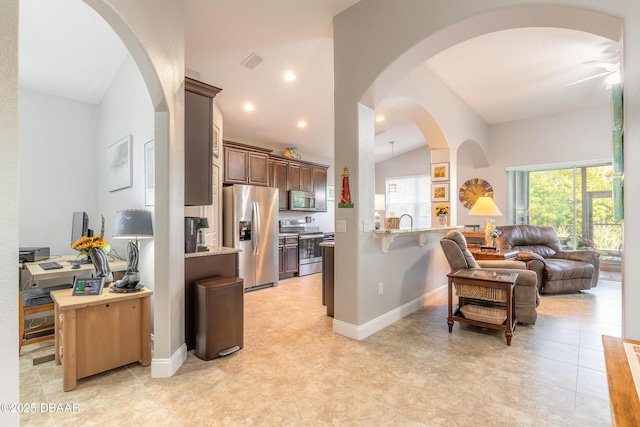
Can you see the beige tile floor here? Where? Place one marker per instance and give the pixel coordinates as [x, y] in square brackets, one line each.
[295, 371]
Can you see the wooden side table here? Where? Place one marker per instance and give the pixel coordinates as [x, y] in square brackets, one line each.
[97, 333]
[493, 256]
[487, 285]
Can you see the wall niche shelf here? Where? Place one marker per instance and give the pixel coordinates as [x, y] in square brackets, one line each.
[388, 236]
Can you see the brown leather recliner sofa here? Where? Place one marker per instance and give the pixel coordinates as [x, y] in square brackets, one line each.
[558, 270]
[525, 292]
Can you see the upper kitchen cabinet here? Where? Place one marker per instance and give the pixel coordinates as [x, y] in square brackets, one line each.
[279, 179]
[300, 176]
[320, 188]
[245, 164]
[198, 133]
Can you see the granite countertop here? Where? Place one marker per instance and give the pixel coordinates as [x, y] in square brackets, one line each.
[388, 231]
[287, 234]
[214, 250]
[328, 244]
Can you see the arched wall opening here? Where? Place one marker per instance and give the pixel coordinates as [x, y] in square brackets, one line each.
[162, 69]
[473, 152]
[420, 30]
[426, 123]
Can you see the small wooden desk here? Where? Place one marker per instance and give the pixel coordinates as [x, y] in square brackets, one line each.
[38, 273]
[623, 396]
[503, 285]
[96, 333]
[493, 256]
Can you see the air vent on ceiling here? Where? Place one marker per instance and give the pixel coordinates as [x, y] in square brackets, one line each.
[252, 61]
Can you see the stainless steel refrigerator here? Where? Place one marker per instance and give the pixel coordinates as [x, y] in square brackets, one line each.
[250, 217]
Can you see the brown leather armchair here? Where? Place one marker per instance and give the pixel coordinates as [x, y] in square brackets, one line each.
[558, 270]
[526, 294]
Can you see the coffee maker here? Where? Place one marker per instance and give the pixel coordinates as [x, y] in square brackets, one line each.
[194, 234]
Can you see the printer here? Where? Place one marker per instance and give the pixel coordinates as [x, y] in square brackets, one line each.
[33, 254]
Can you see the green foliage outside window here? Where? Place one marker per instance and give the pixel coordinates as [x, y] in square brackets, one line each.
[551, 202]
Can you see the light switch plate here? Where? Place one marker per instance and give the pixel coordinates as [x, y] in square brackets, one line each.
[366, 225]
[341, 226]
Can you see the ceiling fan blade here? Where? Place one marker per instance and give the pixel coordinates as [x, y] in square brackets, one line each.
[588, 78]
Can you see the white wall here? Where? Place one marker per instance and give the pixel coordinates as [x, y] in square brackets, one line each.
[561, 139]
[415, 162]
[125, 110]
[58, 169]
[63, 168]
[376, 44]
[9, 210]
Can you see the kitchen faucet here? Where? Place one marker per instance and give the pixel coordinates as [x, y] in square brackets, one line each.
[410, 217]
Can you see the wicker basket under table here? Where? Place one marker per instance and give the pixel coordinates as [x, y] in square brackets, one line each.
[486, 285]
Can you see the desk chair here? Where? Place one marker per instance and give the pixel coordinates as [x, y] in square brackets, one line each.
[33, 301]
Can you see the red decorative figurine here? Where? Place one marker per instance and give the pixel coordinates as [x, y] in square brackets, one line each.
[345, 198]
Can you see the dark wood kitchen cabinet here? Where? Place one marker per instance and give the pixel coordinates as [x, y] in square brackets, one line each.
[279, 178]
[289, 174]
[198, 133]
[245, 164]
[320, 188]
[300, 176]
[293, 170]
[288, 256]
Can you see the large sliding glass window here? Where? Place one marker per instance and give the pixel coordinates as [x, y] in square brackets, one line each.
[412, 197]
[577, 202]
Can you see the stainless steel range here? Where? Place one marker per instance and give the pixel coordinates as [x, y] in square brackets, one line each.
[309, 249]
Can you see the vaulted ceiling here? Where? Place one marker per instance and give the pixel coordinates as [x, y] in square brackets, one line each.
[67, 50]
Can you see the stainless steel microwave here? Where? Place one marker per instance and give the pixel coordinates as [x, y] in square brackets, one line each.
[302, 201]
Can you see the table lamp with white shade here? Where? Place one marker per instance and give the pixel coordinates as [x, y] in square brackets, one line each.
[132, 224]
[485, 206]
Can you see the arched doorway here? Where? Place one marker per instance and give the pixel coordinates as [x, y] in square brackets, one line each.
[379, 71]
[160, 59]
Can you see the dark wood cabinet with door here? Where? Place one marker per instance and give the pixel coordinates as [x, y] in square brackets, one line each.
[279, 178]
[288, 256]
[244, 164]
[198, 133]
[300, 176]
[320, 188]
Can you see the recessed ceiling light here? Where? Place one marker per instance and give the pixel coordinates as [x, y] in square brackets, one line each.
[289, 77]
[302, 124]
[249, 107]
[379, 118]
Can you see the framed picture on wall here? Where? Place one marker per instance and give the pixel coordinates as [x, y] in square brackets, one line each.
[215, 141]
[440, 192]
[119, 164]
[149, 174]
[440, 171]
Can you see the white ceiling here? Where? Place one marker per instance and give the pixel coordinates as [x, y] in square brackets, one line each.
[67, 50]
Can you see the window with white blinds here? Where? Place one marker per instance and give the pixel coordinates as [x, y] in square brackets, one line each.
[412, 197]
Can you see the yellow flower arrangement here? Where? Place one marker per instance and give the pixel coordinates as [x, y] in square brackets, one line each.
[85, 243]
[442, 209]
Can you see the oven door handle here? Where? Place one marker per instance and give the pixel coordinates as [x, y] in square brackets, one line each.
[311, 236]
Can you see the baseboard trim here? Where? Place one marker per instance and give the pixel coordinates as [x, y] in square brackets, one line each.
[363, 331]
[165, 368]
